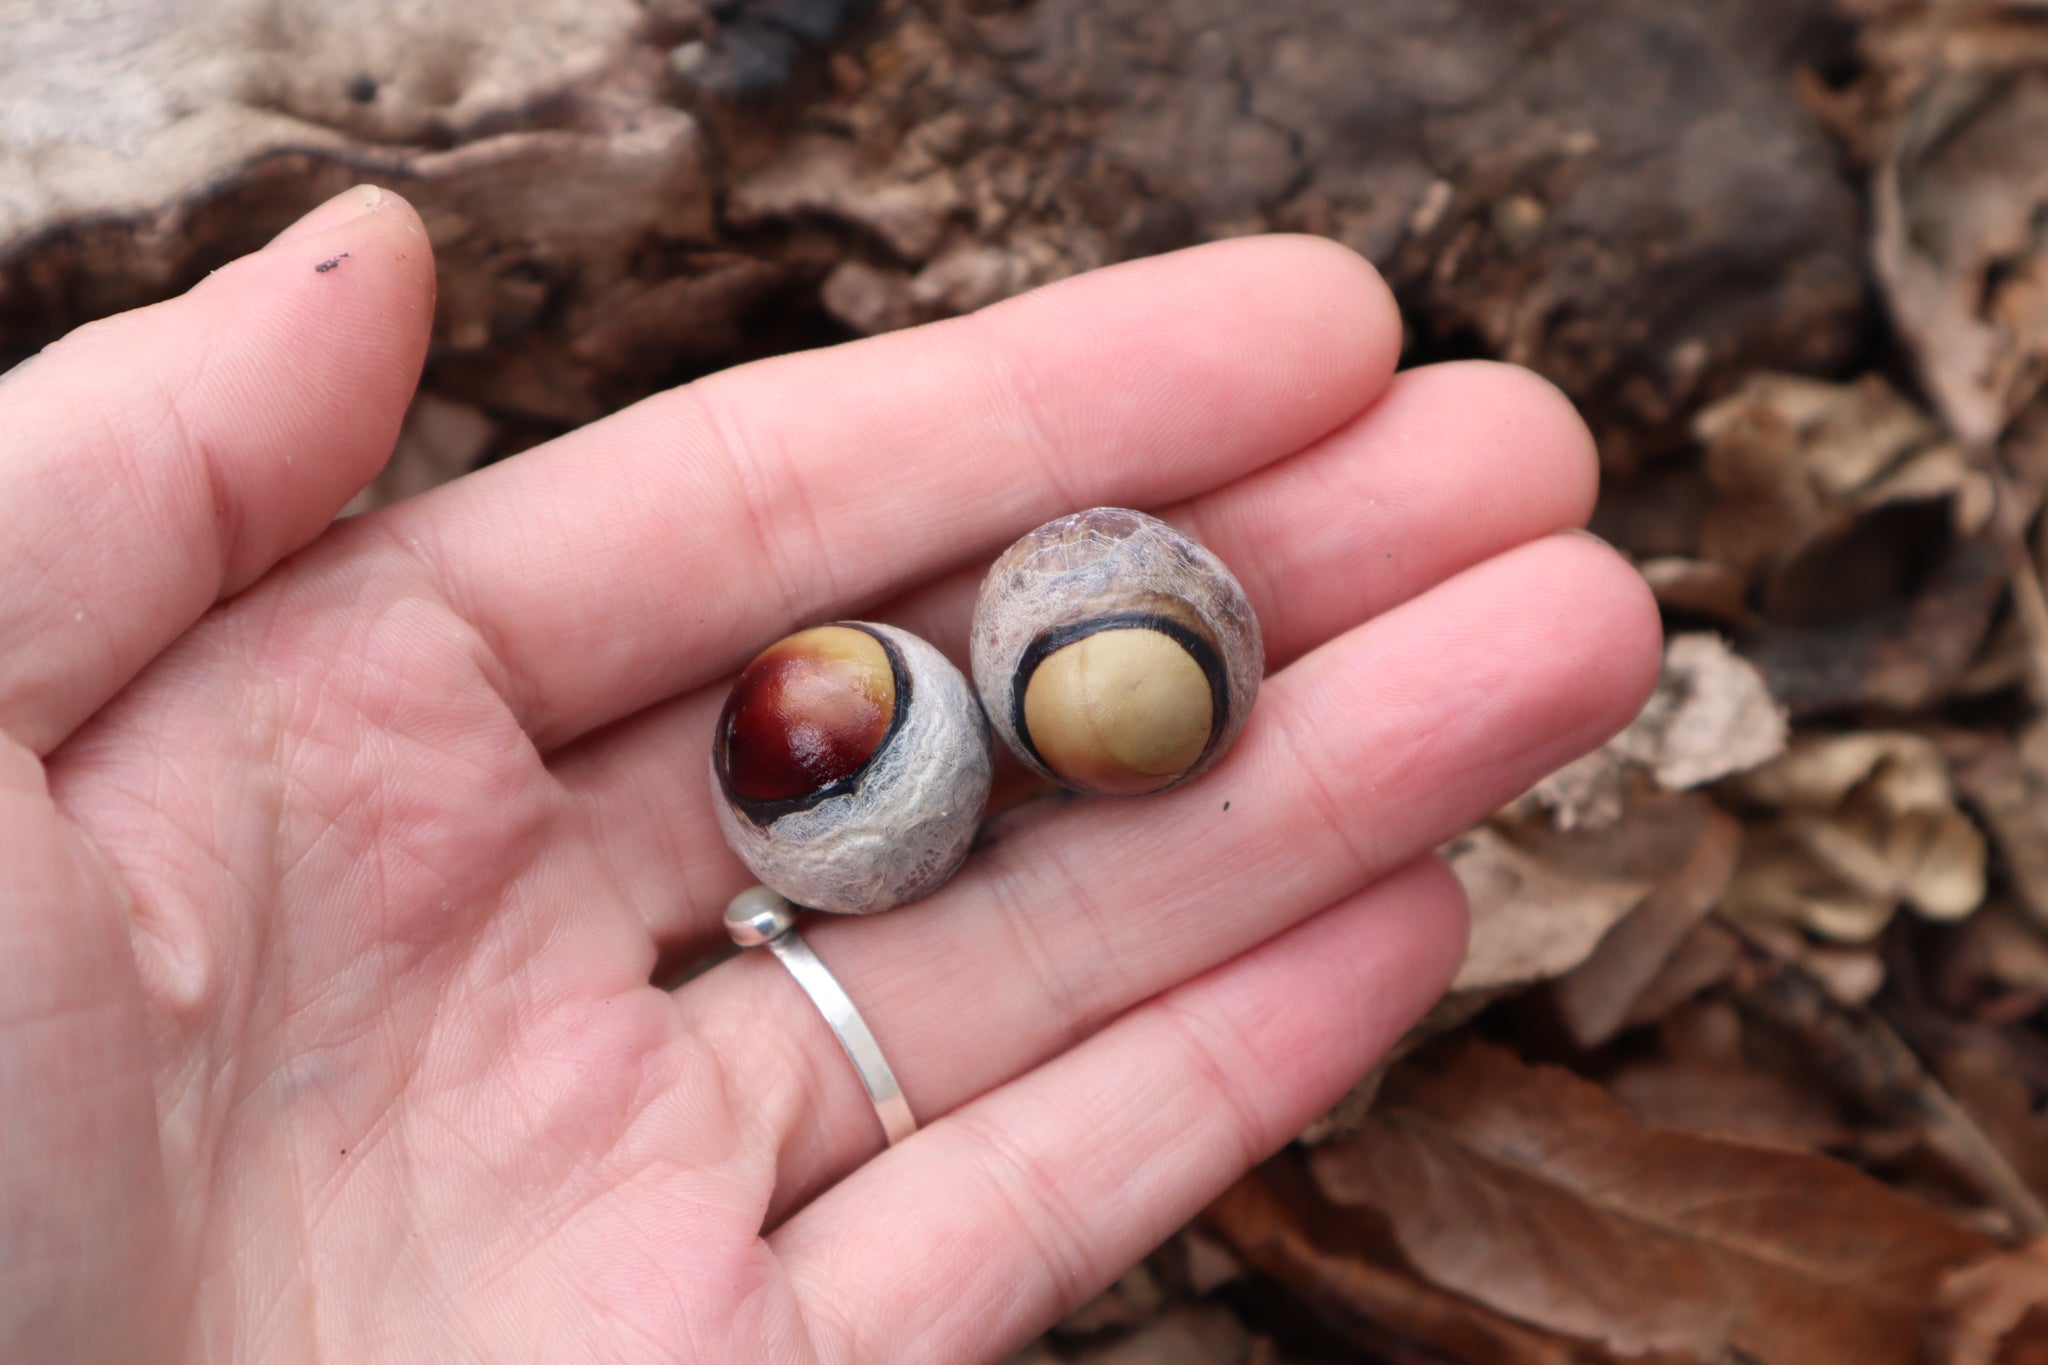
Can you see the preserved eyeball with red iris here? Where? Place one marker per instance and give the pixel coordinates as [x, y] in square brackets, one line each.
[852, 762]
[1114, 654]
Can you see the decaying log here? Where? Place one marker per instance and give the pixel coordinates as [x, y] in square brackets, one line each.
[1627, 195]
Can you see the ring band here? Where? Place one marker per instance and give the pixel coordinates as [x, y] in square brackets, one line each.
[759, 917]
[847, 1025]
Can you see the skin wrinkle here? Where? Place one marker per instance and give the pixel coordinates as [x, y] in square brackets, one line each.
[574, 768]
[436, 593]
[1079, 1001]
[437, 1288]
[574, 1278]
[577, 1164]
[1035, 961]
[1368, 460]
[773, 1279]
[399, 733]
[768, 500]
[477, 1286]
[65, 614]
[1511, 696]
[228, 518]
[535, 1228]
[771, 1124]
[1012, 378]
[1284, 724]
[173, 918]
[714, 1068]
[1170, 1135]
[312, 1216]
[139, 450]
[1008, 1171]
[603, 834]
[454, 992]
[1190, 1033]
[226, 1242]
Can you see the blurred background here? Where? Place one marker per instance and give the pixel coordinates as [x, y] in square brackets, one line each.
[1748, 1062]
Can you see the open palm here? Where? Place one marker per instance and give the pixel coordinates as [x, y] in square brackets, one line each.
[335, 859]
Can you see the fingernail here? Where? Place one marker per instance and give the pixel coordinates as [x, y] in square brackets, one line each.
[351, 204]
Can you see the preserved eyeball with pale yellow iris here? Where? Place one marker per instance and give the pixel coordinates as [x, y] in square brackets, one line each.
[852, 763]
[1114, 654]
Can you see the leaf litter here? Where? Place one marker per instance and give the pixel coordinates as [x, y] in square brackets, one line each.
[1748, 1062]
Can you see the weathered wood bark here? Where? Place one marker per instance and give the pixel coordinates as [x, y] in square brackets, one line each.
[1625, 194]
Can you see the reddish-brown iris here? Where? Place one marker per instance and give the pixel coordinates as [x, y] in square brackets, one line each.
[807, 712]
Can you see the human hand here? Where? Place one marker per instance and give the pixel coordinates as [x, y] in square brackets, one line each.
[335, 860]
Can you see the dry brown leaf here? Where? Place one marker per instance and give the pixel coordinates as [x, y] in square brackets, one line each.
[1705, 957]
[1958, 198]
[1733, 1102]
[1853, 827]
[1209, 1263]
[2000, 952]
[1862, 1056]
[1902, 772]
[2008, 782]
[1597, 996]
[1995, 1311]
[1134, 1298]
[1184, 1336]
[1534, 1193]
[1542, 898]
[1866, 535]
[1552, 874]
[1278, 1223]
[1710, 716]
[1701, 587]
[1796, 460]
[2002, 1107]
[1893, 613]
[1720, 1076]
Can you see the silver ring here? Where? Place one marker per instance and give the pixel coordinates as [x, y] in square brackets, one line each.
[758, 917]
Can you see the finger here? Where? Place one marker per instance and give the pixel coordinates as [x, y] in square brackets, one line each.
[1365, 754]
[1020, 1207]
[162, 459]
[1454, 464]
[1451, 465]
[81, 1191]
[656, 550]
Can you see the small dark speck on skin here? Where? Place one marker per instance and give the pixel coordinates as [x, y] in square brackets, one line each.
[344, 1151]
[1226, 805]
[329, 264]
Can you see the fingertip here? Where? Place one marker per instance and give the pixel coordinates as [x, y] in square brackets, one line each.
[1348, 288]
[1445, 912]
[351, 203]
[1410, 933]
[1329, 297]
[319, 341]
[365, 225]
[1624, 644]
[1544, 426]
[1303, 324]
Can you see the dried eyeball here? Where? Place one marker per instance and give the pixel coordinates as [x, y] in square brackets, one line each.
[1114, 654]
[852, 763]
